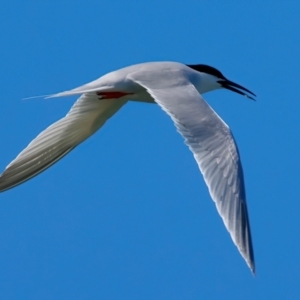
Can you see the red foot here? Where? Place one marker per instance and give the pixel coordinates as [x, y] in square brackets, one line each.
[112, 95]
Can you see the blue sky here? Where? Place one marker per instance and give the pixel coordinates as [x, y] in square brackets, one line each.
[127, 215]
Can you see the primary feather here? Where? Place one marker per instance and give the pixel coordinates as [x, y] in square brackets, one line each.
[214, 149]
[86, 116]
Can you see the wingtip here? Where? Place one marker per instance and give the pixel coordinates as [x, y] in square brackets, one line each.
[249, 259]
[253, 271]
[251, 266]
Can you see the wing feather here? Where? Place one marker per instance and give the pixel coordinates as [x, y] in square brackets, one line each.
[86, 116]
[213, 146]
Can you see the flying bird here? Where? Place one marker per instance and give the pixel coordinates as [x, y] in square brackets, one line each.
[177, 89]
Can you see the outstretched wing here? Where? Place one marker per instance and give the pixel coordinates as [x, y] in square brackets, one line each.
[86, 116]
[213, 146]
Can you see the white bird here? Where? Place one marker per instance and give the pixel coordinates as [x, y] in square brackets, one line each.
[177, 89]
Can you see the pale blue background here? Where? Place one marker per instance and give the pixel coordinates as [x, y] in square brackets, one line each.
[127, 215]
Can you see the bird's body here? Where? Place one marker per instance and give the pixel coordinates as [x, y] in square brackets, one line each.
[177, 89]
[120, 80]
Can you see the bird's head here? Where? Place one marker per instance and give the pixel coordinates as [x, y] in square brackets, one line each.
[212, 79]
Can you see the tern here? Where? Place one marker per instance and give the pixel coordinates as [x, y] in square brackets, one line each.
[177, 88]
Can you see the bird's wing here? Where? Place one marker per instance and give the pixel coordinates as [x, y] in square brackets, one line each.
[213, 146]
[86, 116]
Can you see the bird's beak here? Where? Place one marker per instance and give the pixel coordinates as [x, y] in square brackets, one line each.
[229, 85]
